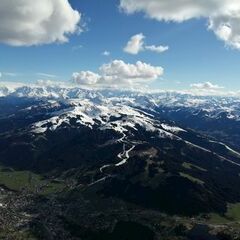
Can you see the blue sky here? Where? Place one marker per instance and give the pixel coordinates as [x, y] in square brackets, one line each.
[195, 53]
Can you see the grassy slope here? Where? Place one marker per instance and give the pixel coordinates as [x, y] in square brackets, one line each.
[19, 180]
[232, 215]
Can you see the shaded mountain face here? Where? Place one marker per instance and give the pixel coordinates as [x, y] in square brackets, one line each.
[167, 152]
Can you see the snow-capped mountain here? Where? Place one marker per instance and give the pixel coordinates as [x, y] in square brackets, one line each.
[165, 113]
[212, 106]
[164, 151]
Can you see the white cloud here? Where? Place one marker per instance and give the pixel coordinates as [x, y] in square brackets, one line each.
[85, 78]
[48, 83]
[10, 74]
[125, 72]
[119, 73]
[157, 49]
[45, 82]
[106, 53]
[206, 86]
[136, 44]
[172, 10]
[77, 47]
[223, 15]
[28, 22]
[47, 75]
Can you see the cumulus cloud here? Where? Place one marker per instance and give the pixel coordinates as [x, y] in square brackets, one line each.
[137, 44]
[223, 16]
[86, 78]
[119, 73]
[125, 72]
[206, 86]
[28, 22]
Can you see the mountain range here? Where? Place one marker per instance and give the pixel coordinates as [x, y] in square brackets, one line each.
[117, 164]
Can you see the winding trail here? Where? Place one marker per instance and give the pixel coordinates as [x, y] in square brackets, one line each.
[123, 156]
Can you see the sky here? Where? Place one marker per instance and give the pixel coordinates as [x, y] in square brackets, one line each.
[165, 45]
